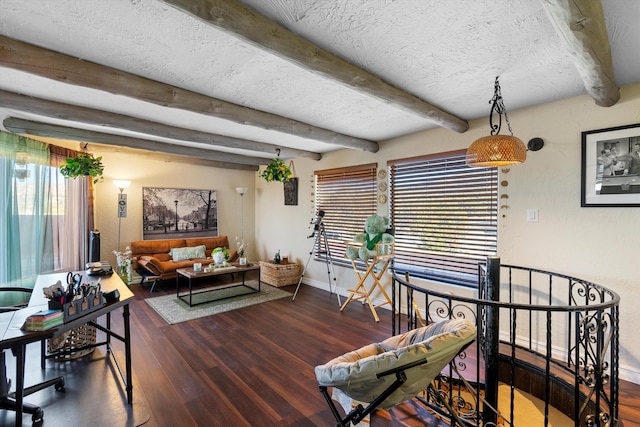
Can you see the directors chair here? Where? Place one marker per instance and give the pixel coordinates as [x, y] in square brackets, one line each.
[374, 268]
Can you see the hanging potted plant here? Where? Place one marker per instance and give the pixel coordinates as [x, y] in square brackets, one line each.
[84, 164]
[277, 170]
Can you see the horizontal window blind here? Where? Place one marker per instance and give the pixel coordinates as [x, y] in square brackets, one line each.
[445, 216]
[347, 196]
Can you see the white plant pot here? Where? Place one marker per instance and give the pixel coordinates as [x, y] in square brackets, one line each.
[242, 261]
[218, 258]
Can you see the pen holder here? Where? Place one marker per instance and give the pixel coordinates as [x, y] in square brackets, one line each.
[77, 308]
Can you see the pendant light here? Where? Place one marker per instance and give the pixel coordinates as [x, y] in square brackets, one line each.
[496, 149]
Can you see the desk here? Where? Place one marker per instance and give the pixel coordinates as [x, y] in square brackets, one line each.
[15, 339]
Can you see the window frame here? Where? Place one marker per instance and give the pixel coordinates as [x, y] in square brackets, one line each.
[417, 190]
[347, 195]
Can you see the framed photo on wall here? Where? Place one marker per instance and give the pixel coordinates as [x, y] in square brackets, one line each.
[611, 167]
[291, 192]
[173, 213]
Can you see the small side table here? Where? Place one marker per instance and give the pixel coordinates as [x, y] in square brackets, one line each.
[279, 274]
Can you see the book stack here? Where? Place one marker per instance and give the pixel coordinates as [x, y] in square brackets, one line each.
[43, 320]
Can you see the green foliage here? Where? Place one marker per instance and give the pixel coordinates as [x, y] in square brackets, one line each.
[223, 250]
[83, 164]
[277, 170]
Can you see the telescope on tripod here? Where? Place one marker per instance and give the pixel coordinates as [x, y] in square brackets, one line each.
[320, 244]
[316, 224]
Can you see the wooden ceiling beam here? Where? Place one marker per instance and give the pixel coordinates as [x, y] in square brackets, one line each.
[243, 22]
[162, 157]
[581, 24]
[73, 113]
[66, 69]
[224, 160]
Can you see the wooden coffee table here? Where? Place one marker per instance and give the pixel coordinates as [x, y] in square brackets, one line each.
[190, 275]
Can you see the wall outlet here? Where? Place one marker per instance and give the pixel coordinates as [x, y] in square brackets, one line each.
[532, 215]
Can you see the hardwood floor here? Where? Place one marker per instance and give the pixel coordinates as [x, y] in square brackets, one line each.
[247, 367]
[254, 366]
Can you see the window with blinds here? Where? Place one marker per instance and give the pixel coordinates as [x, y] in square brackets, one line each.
[347, 196]
[445, 216]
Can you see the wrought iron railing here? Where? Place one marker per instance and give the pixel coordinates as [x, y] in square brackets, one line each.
[552, 336]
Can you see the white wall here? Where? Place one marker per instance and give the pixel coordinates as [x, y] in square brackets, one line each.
[143, 172]
[595, 244]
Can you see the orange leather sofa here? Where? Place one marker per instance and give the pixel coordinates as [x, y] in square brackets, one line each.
[154, 259]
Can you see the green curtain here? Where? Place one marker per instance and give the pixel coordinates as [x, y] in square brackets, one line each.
[24, 197]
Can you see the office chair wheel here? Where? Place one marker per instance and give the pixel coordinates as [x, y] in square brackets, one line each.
[60, 386]
[38, 415]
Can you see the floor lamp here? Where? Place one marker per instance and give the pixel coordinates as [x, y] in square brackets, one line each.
[241, 191]
[122, 204]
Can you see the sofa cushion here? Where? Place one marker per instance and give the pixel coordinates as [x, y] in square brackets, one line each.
[189, 252]
[210, 242]
[156, 248]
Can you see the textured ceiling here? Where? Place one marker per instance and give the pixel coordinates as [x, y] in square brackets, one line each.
[445, 53]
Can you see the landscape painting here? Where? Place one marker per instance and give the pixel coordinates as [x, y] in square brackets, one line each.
[173, 213]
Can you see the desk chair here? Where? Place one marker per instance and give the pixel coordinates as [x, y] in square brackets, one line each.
[7, 400]
[374, 268]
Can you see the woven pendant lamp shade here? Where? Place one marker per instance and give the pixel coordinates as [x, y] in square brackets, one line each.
[496, 150]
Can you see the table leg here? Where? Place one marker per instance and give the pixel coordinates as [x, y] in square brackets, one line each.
[178, 285]
[260, 281]
[190, 289]
[127, 353]
[108, 335]
[19, 352]
[42, 353]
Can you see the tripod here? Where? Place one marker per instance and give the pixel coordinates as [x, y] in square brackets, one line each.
[320, 237]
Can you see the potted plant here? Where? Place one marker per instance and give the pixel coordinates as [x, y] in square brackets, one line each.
[123, 263]
[242, 246]
[220, 257]
[276, 170]
[84, 164]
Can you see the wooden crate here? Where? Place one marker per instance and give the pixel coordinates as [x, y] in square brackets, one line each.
[279, 274]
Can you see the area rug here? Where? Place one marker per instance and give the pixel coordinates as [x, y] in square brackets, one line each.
[174, 310]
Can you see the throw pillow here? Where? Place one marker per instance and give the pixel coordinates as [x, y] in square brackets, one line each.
[193, 252]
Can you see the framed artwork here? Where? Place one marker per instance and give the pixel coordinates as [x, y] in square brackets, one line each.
[173, 213]
[611, 167]
[291, 192]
